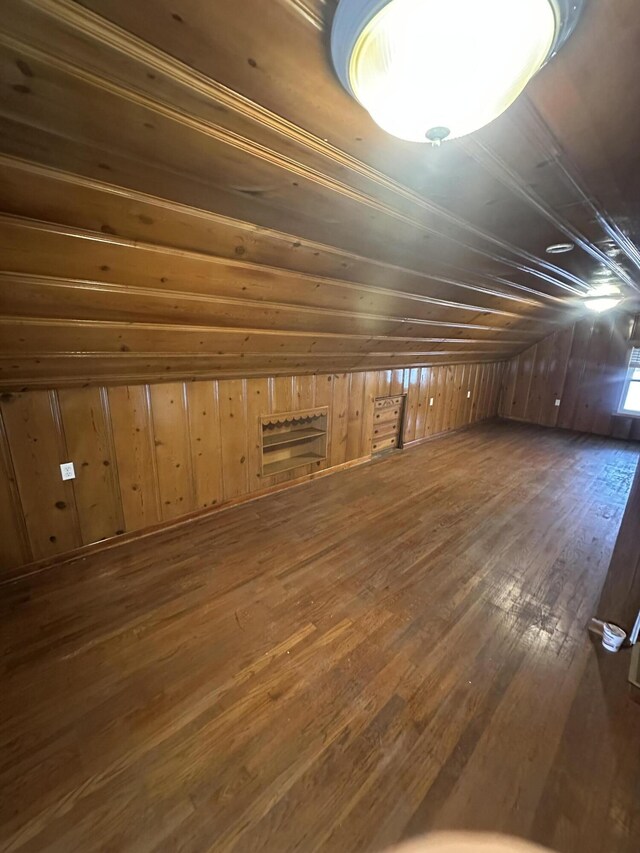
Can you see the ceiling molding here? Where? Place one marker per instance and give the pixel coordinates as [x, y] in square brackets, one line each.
[114, 240]
[45, 370]
[497, 167]
[124, 290]
[112, 282]
[248, 336]
[556, 152]
[306, 9]
[534, 297]
[131, 46]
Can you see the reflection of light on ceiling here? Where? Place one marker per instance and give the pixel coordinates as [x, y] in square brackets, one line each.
[604, 289]
[599, 304]
[603, 296]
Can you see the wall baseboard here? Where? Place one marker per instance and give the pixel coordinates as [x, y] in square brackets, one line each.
[60, 560]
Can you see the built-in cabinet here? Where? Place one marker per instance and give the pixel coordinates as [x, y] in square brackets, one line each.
[387, 423]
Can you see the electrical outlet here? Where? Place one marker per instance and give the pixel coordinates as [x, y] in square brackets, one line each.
[68, 471]
[557, 402]
[468, 394]
[431, 401]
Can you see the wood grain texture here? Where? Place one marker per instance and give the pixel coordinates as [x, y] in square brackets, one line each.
[620, 599]
[452, 408]
[205, 442]
[336, 667]
[233, 432]
[146, 454]
[172, 443]
[37, 447]
[15, 549]
[89, 442]
[135, 451]
[582, 366]
[231, 213]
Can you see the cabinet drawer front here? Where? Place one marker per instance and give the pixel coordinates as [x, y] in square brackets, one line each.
[384, 443]
[388, 402]
[387, 416]
[386, 431]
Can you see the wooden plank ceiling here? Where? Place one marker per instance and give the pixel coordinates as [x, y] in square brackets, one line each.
[187, 191]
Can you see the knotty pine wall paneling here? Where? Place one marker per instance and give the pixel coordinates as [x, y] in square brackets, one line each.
[339, 419]
[149, 454]
[36, 443]
[368, 400]
[172, 449]
[323, 396]
[258, 402]
[15, 549]
[303, 392]
[452, 409]
[233, 432]
[582, 366]
[206, 441]
[90, 445]
[355, 404]
[134, 441]
[420, 389]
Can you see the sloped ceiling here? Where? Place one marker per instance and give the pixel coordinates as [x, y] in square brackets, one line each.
[187, 191]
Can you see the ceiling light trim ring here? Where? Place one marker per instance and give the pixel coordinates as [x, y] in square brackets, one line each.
[560, 248]
[353, 17]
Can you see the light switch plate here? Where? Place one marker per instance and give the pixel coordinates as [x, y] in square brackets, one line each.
[68, 471]
[468, 394]
[557, 403]
[431, 401]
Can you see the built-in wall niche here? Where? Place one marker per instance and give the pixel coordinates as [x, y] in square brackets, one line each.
[293, 439]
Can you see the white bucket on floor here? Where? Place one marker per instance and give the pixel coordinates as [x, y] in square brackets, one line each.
[612, 637]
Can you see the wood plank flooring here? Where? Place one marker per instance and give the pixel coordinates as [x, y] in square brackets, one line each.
[395, 648]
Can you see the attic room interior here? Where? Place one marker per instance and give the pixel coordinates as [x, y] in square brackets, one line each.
[320, 426]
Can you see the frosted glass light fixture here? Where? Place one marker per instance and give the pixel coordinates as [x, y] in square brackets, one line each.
[602, 303]
[429, 70]
[603, 297]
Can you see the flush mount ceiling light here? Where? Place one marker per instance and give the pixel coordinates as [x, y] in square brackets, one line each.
[603, 297]
[429, 70]
[559, 248]
[602, 303]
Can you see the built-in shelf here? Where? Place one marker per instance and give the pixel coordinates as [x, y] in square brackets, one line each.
[292, 462]
[293, 439]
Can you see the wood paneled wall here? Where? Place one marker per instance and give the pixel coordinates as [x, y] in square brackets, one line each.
[620, 599]
[582, 366]
[148, 454]
[440, 399]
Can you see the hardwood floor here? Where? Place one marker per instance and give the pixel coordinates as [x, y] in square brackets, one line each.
[395, 648]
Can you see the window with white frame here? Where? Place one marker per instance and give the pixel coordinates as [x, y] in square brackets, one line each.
[630, 401]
